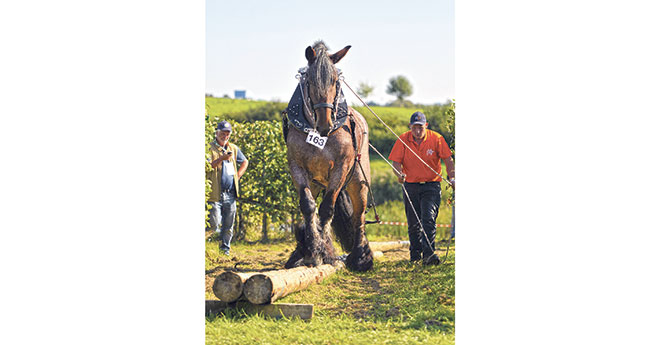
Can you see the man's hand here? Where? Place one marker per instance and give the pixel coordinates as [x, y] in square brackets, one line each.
[226, 156]
[398, 170]
[452, 183]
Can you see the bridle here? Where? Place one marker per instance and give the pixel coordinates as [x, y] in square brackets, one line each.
[307, 100]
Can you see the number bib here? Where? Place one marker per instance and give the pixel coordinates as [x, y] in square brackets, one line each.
[316, 140]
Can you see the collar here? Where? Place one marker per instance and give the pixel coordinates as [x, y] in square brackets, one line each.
[412, 138]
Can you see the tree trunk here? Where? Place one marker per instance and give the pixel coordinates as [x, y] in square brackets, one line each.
[267, 287]
[240, 235]
[264, 228]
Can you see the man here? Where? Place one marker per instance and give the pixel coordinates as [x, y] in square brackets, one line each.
[225, 158]
[421, 183]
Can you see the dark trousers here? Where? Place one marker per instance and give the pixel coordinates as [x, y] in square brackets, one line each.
[425, 198]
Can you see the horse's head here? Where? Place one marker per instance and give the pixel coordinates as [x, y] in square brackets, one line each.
[322, 84]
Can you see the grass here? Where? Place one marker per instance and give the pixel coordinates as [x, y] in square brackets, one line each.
[395, 303]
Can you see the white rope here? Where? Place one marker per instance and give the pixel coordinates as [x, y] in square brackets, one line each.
[397, 136]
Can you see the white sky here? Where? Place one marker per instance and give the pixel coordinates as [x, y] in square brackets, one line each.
[259, 45]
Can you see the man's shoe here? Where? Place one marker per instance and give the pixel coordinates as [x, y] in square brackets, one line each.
[431, 260]
[226, 252]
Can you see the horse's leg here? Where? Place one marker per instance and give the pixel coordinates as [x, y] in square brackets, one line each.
[309, 245]
[361, 257]
[327, 209]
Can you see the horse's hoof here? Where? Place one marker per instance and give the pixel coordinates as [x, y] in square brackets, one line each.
[359, 263]
[312, 261]
[293, 264]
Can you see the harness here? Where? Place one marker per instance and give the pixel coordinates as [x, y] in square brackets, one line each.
[301, 114]
[298, 114]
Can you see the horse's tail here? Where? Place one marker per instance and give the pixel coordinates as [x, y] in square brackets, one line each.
[342, 221]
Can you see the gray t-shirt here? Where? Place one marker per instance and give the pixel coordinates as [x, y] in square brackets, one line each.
[227, 181]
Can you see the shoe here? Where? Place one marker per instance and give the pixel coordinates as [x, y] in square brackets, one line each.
[226, 252]
[431, 260]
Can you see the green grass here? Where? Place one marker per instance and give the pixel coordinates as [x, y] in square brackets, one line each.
[395, 303]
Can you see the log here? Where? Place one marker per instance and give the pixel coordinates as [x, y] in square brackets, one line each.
[377, 255]
[228, 286]
[277, 310]
[385, 246]
[267, 287]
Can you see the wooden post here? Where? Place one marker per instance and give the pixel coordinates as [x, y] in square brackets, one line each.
[267, 287]
[228, 286]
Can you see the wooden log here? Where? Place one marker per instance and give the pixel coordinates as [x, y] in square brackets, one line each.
[228, 286]
[385, 246]
[267, 287]
[276, 310]
[377, 255]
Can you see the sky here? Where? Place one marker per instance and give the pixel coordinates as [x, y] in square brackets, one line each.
[259, 46]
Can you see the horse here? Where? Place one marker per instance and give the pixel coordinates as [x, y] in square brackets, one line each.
[331, 169]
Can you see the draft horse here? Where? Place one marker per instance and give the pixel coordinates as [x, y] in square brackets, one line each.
[332, 170]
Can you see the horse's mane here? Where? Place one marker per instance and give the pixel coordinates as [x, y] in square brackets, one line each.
[321, 71]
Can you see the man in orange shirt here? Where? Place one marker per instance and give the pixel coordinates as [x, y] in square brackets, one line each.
[422, 183]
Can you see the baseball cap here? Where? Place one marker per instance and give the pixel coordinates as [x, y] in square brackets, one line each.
[224, 126]
[418, 118]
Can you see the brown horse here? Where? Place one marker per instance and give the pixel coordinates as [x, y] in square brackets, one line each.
[332, 169]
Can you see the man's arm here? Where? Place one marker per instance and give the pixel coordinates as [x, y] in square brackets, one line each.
[398, 170]
[217, 162]
[449, 163]
[242, 168]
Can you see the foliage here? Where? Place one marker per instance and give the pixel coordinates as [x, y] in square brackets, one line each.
[364, 90]
[451, 128]
[400, 87]
[266, 186]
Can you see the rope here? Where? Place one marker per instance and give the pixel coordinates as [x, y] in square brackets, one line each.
[388, 162]
[397, 137]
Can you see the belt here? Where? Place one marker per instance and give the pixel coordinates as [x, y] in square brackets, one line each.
[421, 183]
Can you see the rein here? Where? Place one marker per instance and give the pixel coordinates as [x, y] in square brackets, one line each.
[307, 100]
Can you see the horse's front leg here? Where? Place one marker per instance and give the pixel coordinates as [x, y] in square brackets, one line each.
[361, 257]
[309, 243]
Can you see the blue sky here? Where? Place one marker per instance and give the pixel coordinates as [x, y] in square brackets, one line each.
[259, 45]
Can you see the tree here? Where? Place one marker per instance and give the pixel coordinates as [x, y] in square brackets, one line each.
[400, 87]
[364, 90]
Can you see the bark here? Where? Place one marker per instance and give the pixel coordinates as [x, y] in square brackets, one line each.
[267, 287]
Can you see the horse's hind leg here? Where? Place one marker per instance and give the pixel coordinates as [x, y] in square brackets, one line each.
[361, 257]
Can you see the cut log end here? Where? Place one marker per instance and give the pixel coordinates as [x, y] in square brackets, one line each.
[228, 287]
[259, 289]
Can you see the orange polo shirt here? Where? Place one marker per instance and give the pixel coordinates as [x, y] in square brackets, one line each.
[432, 150]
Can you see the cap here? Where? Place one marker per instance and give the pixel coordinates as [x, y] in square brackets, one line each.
[224, 126]
[418, 118]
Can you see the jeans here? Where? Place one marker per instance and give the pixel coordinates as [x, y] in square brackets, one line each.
[221, 218]
[425, 199]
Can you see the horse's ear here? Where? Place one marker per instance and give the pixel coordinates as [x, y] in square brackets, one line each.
[339, 55]
[310, 55]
